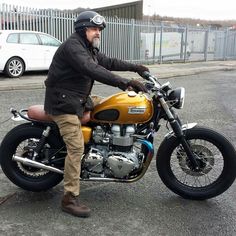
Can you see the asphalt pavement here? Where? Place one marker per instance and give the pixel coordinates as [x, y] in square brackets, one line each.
[146, 207]
[35, 80]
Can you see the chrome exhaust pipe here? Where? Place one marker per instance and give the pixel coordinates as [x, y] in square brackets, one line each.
[28, 162]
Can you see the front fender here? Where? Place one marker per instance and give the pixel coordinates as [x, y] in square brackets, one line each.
[184, 127]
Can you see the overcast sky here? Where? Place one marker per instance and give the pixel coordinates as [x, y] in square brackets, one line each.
[203, 9]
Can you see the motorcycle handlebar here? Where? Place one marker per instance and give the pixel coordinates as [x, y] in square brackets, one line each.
[147, 76]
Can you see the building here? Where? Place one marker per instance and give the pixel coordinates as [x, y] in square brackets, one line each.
[131, 10]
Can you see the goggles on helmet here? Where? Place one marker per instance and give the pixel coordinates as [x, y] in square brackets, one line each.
[98, 20]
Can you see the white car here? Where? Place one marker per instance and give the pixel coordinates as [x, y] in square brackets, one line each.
[22, 51]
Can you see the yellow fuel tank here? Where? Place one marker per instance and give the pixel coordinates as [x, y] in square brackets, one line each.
[123, 108]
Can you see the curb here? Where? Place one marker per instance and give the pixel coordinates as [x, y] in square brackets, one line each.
[22, 87]
[194, 71]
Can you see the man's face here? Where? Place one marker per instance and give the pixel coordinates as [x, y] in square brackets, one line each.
[93, 36]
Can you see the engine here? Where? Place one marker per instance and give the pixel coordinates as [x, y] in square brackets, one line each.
[112, 154]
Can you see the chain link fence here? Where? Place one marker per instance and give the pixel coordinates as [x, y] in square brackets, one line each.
[129, 39]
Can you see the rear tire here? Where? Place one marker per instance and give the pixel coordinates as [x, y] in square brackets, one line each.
[217, 158]
[15, 67]
[28, 178]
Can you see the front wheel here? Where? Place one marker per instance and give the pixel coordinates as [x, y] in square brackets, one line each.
[15, 67]
[216, 158]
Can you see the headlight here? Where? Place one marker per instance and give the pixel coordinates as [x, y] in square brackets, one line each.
[176, 97]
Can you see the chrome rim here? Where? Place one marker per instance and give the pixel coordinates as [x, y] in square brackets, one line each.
[15, 67]
[209, 158]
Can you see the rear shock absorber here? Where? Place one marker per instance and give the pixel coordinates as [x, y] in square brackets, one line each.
[41, 142]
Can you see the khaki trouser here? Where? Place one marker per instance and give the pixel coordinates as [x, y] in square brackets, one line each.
[70, 129]
[71, 132]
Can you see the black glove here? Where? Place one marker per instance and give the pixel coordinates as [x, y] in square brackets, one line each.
[136, 86]
[140, 69]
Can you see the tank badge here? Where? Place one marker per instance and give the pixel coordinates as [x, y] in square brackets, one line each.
[137, 110]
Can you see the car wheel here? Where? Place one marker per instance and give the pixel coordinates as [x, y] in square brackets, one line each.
[15, 67]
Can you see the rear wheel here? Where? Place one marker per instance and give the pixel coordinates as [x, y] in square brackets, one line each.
[15, 67]
[21, 141]
[216, 158]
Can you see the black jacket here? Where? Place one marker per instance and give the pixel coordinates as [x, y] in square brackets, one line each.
[72, 72]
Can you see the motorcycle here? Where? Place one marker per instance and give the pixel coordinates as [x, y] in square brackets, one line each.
[192, 161]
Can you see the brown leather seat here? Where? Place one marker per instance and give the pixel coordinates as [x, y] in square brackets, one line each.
[36, 112]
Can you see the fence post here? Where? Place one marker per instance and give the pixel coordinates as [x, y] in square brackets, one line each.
[6, 17]
[3, 16]
[206, 44]
[234, 43]
[132, 41]
[160, 49]
[51, 23]
[182, 45]
[154, 44]
[225, 44]
[185, 43]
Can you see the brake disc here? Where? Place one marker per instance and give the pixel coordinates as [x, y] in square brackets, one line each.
[205, 159]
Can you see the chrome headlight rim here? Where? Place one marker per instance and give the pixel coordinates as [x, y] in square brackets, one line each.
[182, 98]
[176, 97]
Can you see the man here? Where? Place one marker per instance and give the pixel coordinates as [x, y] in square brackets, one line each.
[75, 66]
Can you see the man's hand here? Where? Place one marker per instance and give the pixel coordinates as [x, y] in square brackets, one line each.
[136, 86]
[140, 69]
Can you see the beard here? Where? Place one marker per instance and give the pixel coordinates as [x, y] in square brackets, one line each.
[96, 43]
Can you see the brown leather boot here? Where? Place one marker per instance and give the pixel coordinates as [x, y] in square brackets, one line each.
[71, 205]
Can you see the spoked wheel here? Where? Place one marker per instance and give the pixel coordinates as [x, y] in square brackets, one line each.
[216, 159]
[21, 142]
[15, 67]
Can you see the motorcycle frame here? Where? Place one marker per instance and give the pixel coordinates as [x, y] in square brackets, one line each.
[49, 127]
[161, 110]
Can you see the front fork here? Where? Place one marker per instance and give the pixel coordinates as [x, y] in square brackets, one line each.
[177, 129]
[180, 135]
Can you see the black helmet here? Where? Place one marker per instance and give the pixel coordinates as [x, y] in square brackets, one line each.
[89, 19]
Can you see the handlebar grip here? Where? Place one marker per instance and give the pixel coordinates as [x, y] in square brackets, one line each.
[146, 75]
[13, 111]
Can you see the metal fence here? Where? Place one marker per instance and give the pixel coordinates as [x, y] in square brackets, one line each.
[128, 39]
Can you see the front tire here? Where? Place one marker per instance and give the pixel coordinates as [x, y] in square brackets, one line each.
[216, 157]
[21, 140]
